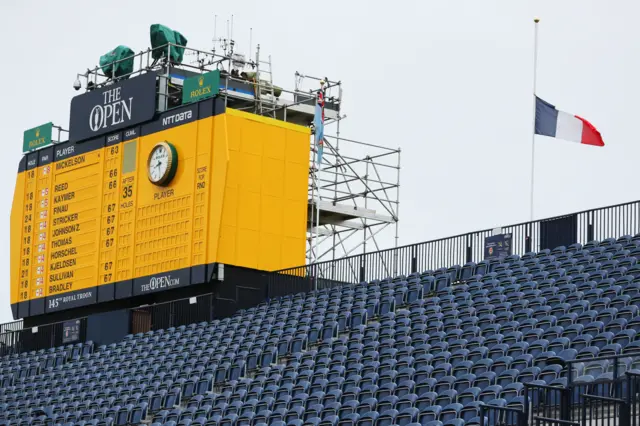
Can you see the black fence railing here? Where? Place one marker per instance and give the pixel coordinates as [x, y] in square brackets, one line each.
[501, 416]
[142, 319]
[545, 421]
[550, 402]
[633, 397]
[36, 338]
[11, 326]
[602, 377]
[604, 390]
[172, 314]
[602, 410]
[581, 227]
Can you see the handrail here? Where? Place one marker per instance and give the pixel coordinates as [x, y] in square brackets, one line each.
[581, 227]
[556, 421]
[629, 203]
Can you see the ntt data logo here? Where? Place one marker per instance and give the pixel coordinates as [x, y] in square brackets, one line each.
[177, 118]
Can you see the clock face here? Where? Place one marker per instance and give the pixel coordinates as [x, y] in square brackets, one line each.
[162, 163]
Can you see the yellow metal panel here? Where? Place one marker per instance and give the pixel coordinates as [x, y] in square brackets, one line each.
[297, 148]
[18, 241]
[270, 255]
[247, 250]
[252, 136]
[233, 130]
[292, 249]
[265, 155]
[250, 171]
[230, 211]
[273, 146]
[227, 246]
[219, 177]
[249, 211]
[296, 180]
[295, 218]
[272, 219]
[234, 171]
[273, 177]
[269, 121]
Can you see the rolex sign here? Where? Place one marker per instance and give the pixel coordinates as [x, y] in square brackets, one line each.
[113, 107]
[201, 86]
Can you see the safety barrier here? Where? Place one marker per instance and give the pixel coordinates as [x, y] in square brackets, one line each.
[501, 416]
[142, 319]
[580, 227]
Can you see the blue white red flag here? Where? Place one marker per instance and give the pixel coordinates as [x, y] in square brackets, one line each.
[563, 125]
[318, 124]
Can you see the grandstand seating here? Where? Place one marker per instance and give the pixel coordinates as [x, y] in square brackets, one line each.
[429, 348]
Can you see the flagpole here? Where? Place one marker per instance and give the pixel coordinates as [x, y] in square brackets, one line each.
[317, 179]
[316, 221]
[533, 133]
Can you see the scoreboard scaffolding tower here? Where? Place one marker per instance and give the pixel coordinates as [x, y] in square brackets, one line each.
[353, 199]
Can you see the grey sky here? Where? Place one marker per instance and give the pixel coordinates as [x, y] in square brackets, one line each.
[448, 81]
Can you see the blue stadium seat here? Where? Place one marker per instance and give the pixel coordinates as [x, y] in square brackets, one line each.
[341, 354]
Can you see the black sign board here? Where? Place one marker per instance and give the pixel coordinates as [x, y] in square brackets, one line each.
[70, 331]
[497, 246]
[113, 107]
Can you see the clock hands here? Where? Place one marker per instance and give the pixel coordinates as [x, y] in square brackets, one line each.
[161, 164]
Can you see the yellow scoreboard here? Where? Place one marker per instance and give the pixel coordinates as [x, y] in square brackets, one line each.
[155, 206]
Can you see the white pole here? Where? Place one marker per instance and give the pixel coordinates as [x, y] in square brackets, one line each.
[533, 133]
[317, 222]
[312, 256]
[317, 211]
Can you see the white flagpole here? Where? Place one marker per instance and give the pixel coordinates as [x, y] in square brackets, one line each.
[533, 133]
[317, 210]
[317, 222]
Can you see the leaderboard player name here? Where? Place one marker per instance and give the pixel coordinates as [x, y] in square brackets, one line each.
[65, 219]
[59, 288]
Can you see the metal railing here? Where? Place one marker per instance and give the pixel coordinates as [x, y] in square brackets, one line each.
[603, 410]
[632, 392]
[612, 398]
[36, 338]
[550, 402]
[171, 314]
[175, 313]
[545, 421]
[11, 326]
[580, 227]
[501, 416]
[200, 61]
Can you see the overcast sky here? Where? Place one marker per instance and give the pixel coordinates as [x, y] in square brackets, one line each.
[449, 82]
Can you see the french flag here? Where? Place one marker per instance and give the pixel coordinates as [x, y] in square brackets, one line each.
[562, 125]
[318, 124]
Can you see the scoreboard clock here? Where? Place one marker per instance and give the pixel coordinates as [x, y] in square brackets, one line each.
[162, 163]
